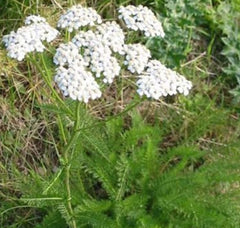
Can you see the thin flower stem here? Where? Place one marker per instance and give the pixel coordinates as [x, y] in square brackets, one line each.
[48, 81]
[47, 77]
[61, 128]
[70, 3]
[50, 84]
[69, 205]
[68, 166]
[76, 132]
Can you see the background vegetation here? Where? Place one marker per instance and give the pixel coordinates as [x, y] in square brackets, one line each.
[134, 163]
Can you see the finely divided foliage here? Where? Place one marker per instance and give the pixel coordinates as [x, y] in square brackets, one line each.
[92, 53]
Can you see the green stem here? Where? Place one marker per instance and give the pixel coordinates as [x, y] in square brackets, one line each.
[46, 74]
[48, 81]
[47, 78]
[68, 166]
[69, 205]
[61, 129]
[70, 3]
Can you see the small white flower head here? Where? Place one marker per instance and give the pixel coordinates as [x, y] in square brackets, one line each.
[77, 83]
[98, 55]
[77, 17]
[68, 54]
[100, 60]
[33, 19]
[83, 39]
[112, 36]
[45, 32]
[158, 80]
[137, 57]
[28, 39]
[141, 18]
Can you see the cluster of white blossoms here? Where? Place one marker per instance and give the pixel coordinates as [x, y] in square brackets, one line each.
[92, 53]
[83, 39]
[68, 54]
[109, 34]
[77, 83]
[137, 57]
[158, 80]
[72, 76]
[98, 55]
[86, 52]
[33, 19]
[78, 16]
[101, 61]
[29, 38]
[112, 35]
[141, 18]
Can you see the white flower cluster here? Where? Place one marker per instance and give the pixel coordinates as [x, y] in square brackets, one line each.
[77, 83]
[33, 19]
[98, 55]
[83, 39]
[68, 54]
[112, 35]
[90, 53]
[29, 38]
[137, 57]
[72, 77]
[159, 80]
[78, 16]
[100, 60]
[141, 18]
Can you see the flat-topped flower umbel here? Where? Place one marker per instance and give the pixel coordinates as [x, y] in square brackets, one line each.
[29, 38]
[137, 56]
[77, 17]
[77, 83]
[158, 81]
[141, 18]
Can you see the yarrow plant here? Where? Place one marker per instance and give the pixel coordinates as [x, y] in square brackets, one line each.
[94, 57]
